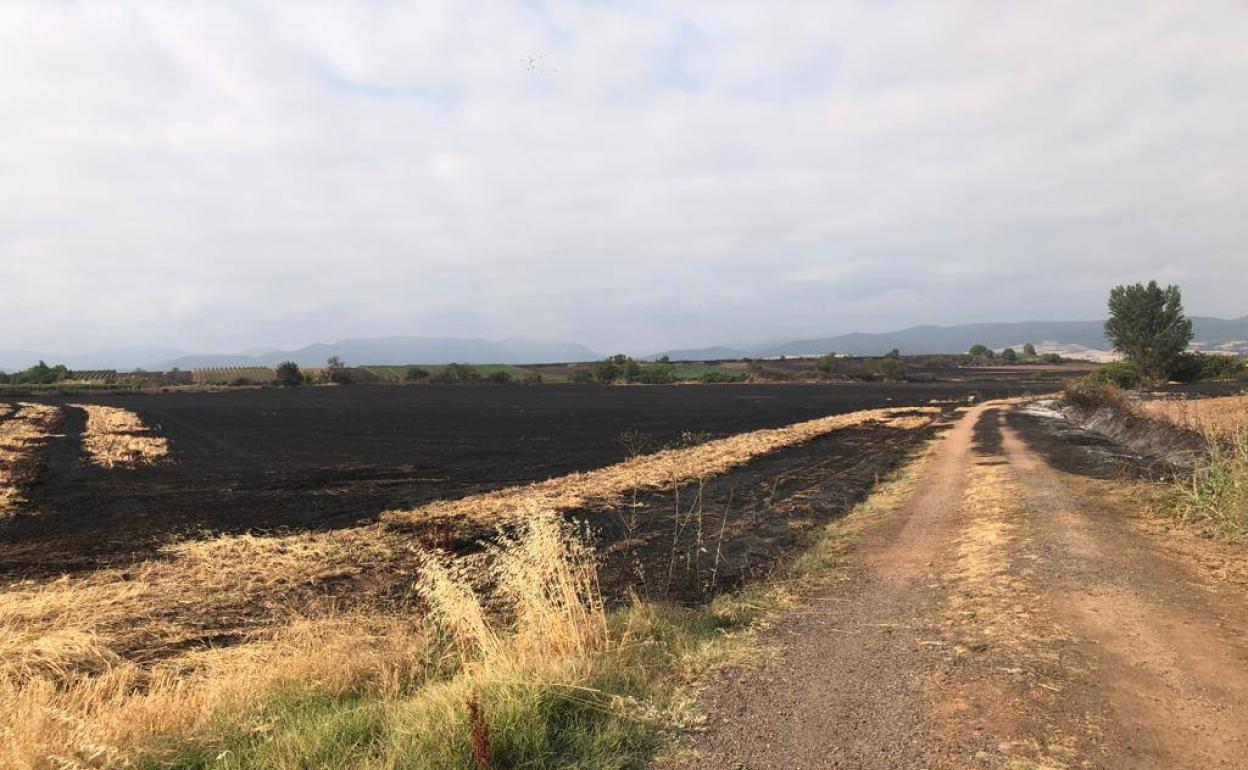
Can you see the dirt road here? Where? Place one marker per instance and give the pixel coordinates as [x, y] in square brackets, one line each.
[1004, 614]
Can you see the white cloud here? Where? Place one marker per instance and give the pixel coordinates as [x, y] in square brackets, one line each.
[219, 175]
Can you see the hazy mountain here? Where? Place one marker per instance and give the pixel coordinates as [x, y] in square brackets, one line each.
[1211, 334]
[405, 350]
[120, 358]
[702, 354]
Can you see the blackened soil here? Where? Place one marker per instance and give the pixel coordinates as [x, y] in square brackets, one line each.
[323, 458]
[693, 542]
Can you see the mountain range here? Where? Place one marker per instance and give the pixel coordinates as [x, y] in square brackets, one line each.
[1069, 337]
[1226, 335]
[372, 350]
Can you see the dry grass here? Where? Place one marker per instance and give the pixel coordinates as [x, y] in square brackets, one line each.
[95, 668]
[661, 470]
[1226, 416]
[24, 432]
[117, 437]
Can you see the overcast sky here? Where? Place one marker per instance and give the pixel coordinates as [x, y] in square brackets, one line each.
[636, 176]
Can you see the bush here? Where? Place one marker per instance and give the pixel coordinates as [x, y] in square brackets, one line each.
[499, 377]
[1193, 367]
[581, 376]
[415, 374]
[826, 363]
[1029, 350]
[981, 351]
[1090, 393]
[1119, 373]
[893, 369]
[336, 372]
[288, 374]
[713, 378]
[39, 374]
[1008, 356]
[1051, 358]
[456, 374]
[658, 374]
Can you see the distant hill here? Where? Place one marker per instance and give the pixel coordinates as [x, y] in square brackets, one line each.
[1228, 335]
[379, 350]
[406, 350]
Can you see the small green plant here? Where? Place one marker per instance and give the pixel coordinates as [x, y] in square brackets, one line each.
[288, 374]
[1216, 489]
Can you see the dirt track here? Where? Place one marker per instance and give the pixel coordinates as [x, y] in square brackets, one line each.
[1005, 614]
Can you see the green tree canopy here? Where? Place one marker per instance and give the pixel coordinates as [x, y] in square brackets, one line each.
[1147, 325]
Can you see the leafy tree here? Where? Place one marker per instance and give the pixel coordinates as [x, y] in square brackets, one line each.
[893, 369]
[894, 353]
[1147, 325]
[982, 351]
[1029, 350]
[288, 374]
[1009, 356]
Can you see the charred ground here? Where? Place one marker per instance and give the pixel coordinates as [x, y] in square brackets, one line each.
[323, 458]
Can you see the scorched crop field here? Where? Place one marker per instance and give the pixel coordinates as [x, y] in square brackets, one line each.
[324, 458]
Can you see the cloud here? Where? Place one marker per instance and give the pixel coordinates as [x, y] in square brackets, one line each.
[218, 175]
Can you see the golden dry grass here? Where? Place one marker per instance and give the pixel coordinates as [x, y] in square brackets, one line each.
[607, 486]
[1225, 416]
[24, 431]
[117, 437]
[92, 667]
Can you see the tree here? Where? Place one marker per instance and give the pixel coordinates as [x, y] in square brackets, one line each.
[288, 374]
[826, 363]
[982, 351]
[336, 372]
[1029, 350]
[1009, 356]
[415, 374]
[894, 353]
[1147, 325]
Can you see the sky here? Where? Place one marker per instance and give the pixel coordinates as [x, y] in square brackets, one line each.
[638, 176]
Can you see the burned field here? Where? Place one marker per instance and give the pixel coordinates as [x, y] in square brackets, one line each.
[172, 555]
[271, 461]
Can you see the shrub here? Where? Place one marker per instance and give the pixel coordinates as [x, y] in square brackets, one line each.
[1217, 487]
[500, 377]
[1090, 393]
[581, 376]
[981, 351]
[40, 374]
[336, 372]
[826, 363]
[607, 371]
[1029, 350]
[1120, 373]
[658, 374]
[288, 374]
[1008, 356]
[712, 378]
[1192, 367]
[415, 374]
[893, 369]
[456, 374]
[1051, 358]
[894, 353]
